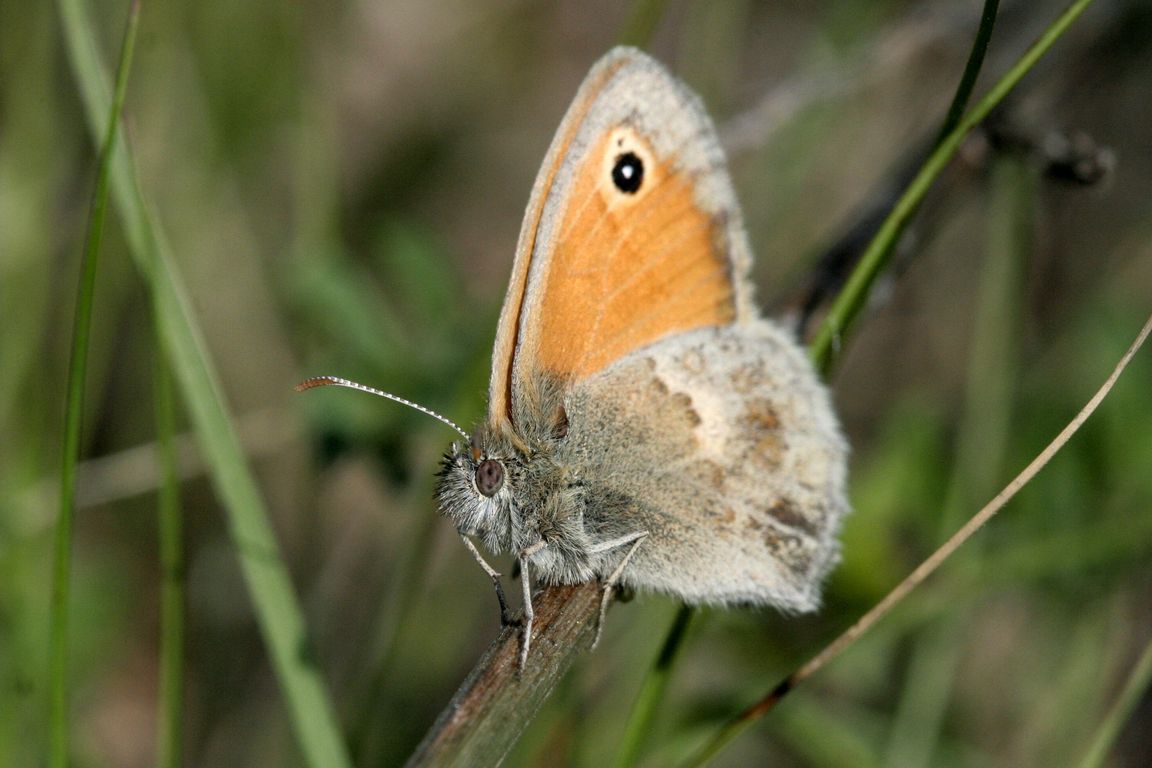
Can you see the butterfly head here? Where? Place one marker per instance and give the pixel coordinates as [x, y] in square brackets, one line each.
[497, 485]
[477, 488]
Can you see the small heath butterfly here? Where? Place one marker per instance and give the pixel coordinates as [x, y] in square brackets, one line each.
[646, 427]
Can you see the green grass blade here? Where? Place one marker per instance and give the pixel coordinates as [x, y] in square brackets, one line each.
[170, 717]
[852, 299]
[269, 585]
[652, 691]
[77, 368]
[1134, 690]
[952, 118]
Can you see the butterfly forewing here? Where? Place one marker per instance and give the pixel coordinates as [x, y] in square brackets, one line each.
[633, 233]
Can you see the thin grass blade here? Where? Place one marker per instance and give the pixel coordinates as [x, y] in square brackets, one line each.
[1137, 686]
[269, 585]
[846, 310]
[77, 369]
[170, 717]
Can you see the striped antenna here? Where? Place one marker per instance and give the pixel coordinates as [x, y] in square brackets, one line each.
[325, 381]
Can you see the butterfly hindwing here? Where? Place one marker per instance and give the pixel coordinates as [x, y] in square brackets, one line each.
[721, 443]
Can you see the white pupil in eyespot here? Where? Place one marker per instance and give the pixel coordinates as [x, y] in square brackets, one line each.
[628, 172]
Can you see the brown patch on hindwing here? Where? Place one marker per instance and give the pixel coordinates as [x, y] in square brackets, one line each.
[789, 513]
[762, 430]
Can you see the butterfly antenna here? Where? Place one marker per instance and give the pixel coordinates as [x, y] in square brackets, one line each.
[325, 381]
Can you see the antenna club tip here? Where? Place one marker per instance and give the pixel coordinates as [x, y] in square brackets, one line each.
[315, 381]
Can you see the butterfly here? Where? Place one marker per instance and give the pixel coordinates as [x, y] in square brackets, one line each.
[645, 426]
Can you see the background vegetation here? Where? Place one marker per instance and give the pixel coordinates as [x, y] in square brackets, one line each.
[341, 186]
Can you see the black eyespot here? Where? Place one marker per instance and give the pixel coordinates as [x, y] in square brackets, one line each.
[489, 477]
[628, 173]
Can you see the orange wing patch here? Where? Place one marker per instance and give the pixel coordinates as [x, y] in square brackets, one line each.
[629, 268]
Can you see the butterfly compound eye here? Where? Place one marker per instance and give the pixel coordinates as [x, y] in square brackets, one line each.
[628, 173]
[489, 477]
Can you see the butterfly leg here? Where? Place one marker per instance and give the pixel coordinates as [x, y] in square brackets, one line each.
[610, 583]
[529, 614]
[505, 618]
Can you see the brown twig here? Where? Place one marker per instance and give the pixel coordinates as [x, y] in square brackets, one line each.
[495, 703]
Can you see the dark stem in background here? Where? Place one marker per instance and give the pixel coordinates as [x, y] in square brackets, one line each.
[77, 374]
[971, 70]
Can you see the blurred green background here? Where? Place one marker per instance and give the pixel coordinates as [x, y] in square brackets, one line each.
[342, 184]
